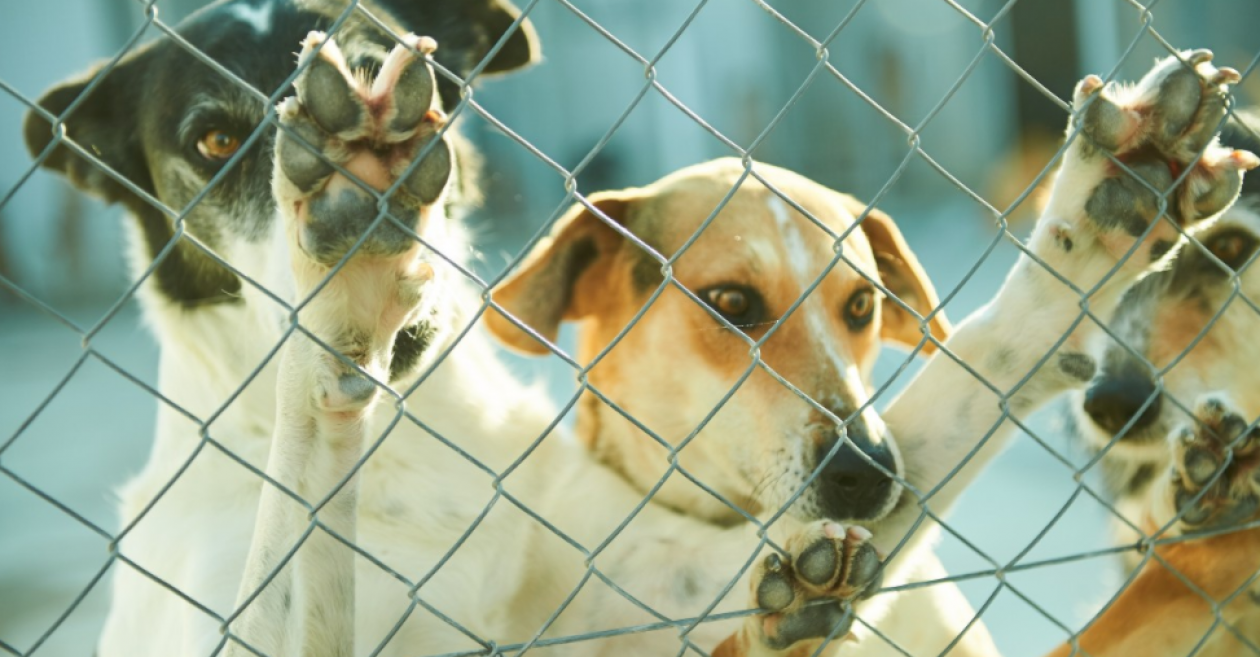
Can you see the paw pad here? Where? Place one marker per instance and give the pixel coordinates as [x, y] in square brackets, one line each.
[809, 593]
[1216, 476]
[339, 123]
[1163, 130]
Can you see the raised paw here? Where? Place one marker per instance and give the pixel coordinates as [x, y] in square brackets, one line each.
[808, 596]
[1216, 468]
[381, 132]
[1163, 130]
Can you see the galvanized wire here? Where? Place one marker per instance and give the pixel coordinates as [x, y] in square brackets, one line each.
[1005, 397]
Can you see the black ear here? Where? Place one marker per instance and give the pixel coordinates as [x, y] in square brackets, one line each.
[466, 31]
[521, 48]
[102, 119]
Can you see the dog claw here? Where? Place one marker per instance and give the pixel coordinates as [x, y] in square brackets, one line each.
[1199, 56]
[1089, 86]
[1243, 160]
[1226, 75]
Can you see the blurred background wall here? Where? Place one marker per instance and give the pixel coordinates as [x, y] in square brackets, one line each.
[737, 66]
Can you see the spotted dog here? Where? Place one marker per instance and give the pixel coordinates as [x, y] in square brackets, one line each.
[686, 347]
[1178, 458]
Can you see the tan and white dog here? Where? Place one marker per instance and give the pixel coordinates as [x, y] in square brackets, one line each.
[679, 408]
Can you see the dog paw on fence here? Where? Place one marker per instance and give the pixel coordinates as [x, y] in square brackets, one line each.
[1216, 468]
[1143, 152]
[807, 595]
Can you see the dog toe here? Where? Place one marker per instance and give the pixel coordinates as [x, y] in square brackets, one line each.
[300, 147]
[405, 87]
[327, 89]
[819, 564]
[429, 178]
[775, 591]
[814, 621]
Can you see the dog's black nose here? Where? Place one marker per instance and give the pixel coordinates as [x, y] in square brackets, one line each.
[1115, 399]
[851, 487]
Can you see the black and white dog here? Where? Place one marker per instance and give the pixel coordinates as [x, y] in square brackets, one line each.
[185, 146]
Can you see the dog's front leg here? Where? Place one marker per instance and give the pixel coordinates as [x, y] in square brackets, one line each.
[1093, 240]
[360, 278]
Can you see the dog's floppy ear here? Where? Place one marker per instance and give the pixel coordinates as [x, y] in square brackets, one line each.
[521, 48]
[902, 275]
[544, 290]
[104, 123]
[466, 30]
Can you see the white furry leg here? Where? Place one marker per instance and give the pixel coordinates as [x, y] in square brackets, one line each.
[360, 274]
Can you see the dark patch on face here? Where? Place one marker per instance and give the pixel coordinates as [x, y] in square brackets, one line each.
[1127, 479]
[1196, 283]
[1160, 248]
[1078, 366]
[409, 345]
[186, 275]
[645, 271]
[1195, 270]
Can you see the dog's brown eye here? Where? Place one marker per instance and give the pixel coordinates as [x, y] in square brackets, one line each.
[737, 304]
[218, 145]
[860, 309]
[730, 302]
[1233, 248]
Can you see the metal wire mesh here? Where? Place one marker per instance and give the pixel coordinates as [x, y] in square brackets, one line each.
[987, 49]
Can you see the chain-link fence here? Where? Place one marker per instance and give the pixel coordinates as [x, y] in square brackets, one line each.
[936, 111]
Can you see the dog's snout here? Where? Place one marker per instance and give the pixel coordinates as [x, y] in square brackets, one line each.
[854, 483]
[1115, 400]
